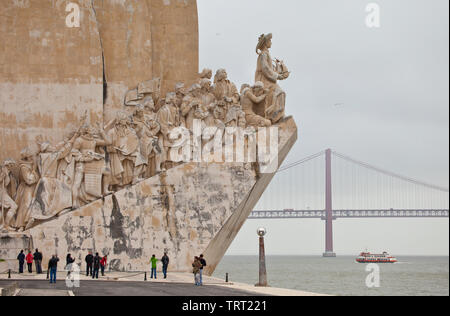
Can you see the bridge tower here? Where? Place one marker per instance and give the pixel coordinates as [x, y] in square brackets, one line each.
[329, 253]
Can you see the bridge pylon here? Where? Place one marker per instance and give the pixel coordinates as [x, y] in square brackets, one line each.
[329, 253]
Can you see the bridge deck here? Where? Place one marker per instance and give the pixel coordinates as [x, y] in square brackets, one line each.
[284, 214]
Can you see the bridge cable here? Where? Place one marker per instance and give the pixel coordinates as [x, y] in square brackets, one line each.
[295, 164]
[391, 174]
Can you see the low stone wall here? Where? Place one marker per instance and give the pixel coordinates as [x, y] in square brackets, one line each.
[10, 246]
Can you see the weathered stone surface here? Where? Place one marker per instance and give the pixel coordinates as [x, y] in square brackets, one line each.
[50, 74]
[10, 246]
[193, 208]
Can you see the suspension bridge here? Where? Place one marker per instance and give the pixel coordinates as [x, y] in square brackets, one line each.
[331, 186]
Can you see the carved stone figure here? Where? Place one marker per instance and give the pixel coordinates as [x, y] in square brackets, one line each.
[206, 74]
[180, 93]
[190, 104]
[28, 179]
[208, 101]
[147, 130]
[169, 118]
[269, 74]
[90, 166]
[7, 204]
[149, 108]
[224, 87]
[127, 162]
[251, 100]
[219, 114]
[66, 164]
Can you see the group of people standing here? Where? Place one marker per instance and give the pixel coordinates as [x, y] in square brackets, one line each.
[29, 259]
[198, 265]
[154, 264]
[94, 264]
[37, 258]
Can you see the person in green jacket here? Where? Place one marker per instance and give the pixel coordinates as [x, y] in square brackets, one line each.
[153, 261]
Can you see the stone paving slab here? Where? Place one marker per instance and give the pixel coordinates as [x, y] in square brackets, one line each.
[41, 292]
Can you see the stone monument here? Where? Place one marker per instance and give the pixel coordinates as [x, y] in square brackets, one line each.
[113, 142]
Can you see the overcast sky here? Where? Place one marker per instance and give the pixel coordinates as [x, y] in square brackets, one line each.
[378, 95]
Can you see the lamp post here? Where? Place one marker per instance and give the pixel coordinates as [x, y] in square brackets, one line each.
[262, 259]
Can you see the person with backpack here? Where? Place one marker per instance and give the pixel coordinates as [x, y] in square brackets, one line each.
[96, 263]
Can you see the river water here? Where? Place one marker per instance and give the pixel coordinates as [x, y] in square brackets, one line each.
[412, 276]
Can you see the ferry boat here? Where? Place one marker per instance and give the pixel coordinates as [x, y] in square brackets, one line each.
[367, 257]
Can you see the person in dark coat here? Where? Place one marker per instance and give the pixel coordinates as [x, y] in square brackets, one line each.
[165, 262]
[69, 261]
[21, 258]
[89, 261]
[97, 260]
[38, 261]
[53, 268]
[203, 262]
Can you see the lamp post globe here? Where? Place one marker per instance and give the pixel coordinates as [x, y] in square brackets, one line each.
[261, 232]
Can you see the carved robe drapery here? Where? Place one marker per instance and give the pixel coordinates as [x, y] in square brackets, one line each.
[276, 99]
[7, 204]
[53, 194]
[188, 110]
[168, 117]
[125, 155]
[225, 88]
[28, 180]
[150, 144]
[87, 186]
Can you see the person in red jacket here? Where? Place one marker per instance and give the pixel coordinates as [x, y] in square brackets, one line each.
[103, 264]
[29, 258]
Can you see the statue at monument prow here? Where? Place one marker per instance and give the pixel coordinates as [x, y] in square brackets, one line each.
[268, 72]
